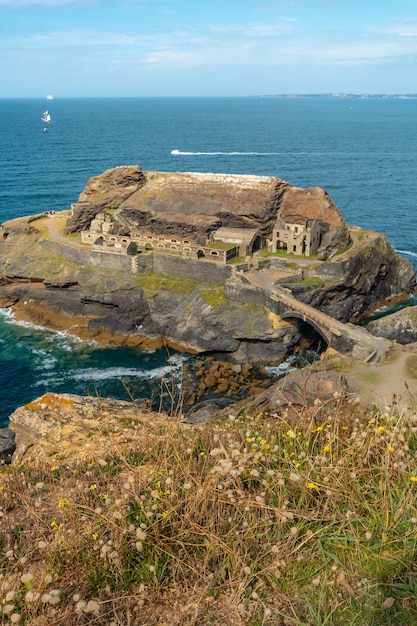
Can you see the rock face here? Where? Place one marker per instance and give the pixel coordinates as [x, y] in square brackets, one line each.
[353, 283]
[106, 191]
[400, 326]
[69, 426]
[195, 204]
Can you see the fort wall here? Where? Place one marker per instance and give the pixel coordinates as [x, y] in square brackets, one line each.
[203, 271]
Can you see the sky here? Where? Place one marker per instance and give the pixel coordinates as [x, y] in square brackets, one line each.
[98, 48]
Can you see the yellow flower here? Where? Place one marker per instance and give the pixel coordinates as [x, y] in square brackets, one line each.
[390, 448]
[95, 536]
[381, 429]
[93, 487]
[413, 479]
[54, 525]
[63, 502]
[202, 453]
[313, 487]
[326, 448]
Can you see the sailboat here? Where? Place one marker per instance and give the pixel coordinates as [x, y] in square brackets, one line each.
[46, 117]
[49, 96]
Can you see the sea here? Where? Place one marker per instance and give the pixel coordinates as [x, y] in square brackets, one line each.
[362, 151]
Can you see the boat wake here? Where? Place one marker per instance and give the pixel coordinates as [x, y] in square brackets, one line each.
[181, 153]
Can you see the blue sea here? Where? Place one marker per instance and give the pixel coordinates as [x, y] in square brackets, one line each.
[362, 151]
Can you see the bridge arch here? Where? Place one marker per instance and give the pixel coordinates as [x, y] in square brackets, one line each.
[324, 333]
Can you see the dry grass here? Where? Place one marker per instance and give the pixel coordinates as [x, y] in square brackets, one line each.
[256, 520]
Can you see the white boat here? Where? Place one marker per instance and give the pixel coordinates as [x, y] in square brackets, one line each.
[49, 96]
[46, 117]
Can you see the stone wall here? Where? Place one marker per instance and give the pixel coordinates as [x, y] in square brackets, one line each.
[237, 291]
[187, 268]
[160, 263]
[88, 257]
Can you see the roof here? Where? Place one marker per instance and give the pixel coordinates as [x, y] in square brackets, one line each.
[235, 235]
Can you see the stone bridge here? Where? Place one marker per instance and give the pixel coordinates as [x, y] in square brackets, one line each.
[345, 338]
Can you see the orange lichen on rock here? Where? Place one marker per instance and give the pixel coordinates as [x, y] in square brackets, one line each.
[49, 401]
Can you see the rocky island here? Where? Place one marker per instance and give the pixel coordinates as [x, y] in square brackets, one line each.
[187, 259]
[243, 269]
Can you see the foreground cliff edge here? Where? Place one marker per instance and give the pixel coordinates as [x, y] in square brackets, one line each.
[118, 515]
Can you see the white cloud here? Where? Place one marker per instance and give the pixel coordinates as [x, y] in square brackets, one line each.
[402, 30]
[256, 29]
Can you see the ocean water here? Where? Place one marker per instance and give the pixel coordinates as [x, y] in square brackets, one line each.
[362, 151]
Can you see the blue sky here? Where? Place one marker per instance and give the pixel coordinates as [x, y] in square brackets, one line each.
[206, 47]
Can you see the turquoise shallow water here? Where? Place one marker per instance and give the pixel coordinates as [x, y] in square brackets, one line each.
[35, 360]
[363, 152]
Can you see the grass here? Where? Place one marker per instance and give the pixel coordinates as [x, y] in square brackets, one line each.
[313, 281]
[214, 296]
[307, 518]
[411, 366]
[153, 283]
[372, 378]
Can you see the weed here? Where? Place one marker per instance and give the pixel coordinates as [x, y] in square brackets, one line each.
[262, 518]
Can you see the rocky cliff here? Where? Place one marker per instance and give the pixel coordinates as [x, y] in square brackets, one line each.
[400, 326]
[357, 281]
[195, 204]
[53, 279]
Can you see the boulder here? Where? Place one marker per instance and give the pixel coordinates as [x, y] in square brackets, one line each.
[7, 445]
[400, 326]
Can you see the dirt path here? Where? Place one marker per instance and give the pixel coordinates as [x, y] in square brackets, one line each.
[387, 383]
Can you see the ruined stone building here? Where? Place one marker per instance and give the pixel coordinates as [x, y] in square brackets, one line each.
[297, 235]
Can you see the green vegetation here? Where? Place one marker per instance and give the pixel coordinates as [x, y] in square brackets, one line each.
[153, 283]
[304, 519]
[284, 254]
[411, 366]
[292, 265]
[314, 281]
[214, 296]
[373, 378]
[345, 249]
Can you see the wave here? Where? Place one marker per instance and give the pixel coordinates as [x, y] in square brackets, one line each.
[121, 372]
[181, 153]
[65, 340]
[408, 253]
[7, 313]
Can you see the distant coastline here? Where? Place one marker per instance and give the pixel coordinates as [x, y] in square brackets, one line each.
[340, 96]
